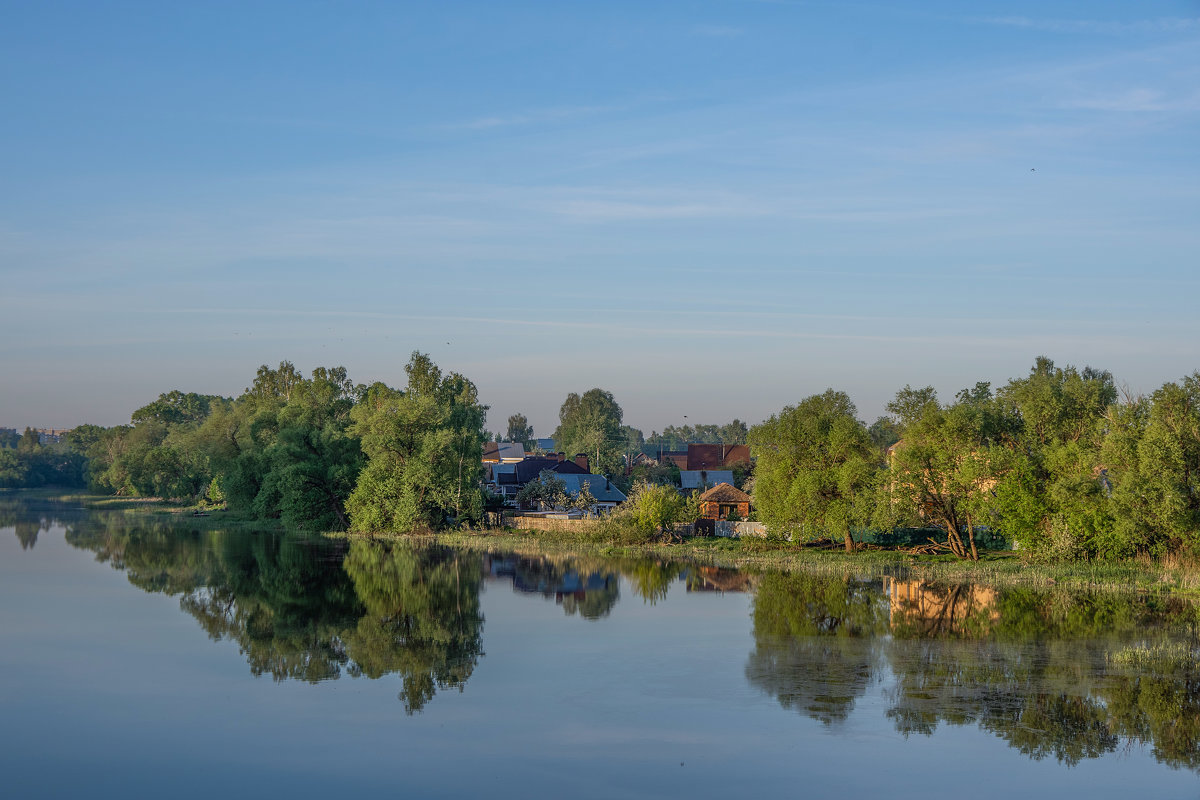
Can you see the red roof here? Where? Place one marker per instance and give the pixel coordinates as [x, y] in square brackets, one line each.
[716, 456]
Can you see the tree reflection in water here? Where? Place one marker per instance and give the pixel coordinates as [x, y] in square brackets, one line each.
[311, 608]
[1049, 672]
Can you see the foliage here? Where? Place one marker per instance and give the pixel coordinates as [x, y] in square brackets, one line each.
[1050, 496]
[591, 424]
[519, 430]
[424, 447]
[815, 469]
[678, 437]
[1152, 461]
[657, 508]
[943, 469]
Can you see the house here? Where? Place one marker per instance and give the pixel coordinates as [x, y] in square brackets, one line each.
[676, 457]
[503, 452]
[607, 495]
[691, 480]
[506, 479]
[723, 500]
[716, 456]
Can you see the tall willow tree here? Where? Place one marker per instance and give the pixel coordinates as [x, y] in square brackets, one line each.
[816, 469]
[1152, 460]
[424, 449]
[942, 470]
[1051, 496]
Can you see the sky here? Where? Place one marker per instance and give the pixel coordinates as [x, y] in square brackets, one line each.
[711, 209]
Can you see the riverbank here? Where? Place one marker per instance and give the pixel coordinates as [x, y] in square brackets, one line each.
[998, 568]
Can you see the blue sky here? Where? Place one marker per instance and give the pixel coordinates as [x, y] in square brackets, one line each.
[712, 209]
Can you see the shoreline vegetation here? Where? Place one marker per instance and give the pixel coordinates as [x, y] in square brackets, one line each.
[1057, 464]
[996, 568]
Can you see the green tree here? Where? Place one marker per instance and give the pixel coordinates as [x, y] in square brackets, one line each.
[548, 490]
[1152, 458]
[1050, 496]
[815, 469]
[591, 424]
[519, 430]
[424, 447]
[13, 469]
[175, 408]
[314, 461]
[656, 508]
[942, 471]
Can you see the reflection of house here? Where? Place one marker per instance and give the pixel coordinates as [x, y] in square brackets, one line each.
[591, 594]
[691, 480]
[723, 500]
[930, 609]
[718, 579]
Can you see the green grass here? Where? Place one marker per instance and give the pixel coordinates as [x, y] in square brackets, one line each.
[997, 567]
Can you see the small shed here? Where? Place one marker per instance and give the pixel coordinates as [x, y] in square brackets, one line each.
[722, 500]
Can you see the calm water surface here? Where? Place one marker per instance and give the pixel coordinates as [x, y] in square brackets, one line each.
[148, 659]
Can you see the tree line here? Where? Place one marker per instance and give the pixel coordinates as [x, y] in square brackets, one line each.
[1056, 462]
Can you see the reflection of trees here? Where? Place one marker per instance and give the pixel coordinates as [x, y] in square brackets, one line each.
[1160, 704]
[814, 642]
[296, 613]
[27, 519]
[650, 579]
[27, 533]
[1036, 697]
[1032, 667]
[423, 618]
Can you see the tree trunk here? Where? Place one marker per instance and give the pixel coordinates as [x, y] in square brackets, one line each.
[971, 536]
[952, 537]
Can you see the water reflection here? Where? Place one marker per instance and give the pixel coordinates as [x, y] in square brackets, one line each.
[27, 521]
[316, 609]
[1051, 673]
[587, 587]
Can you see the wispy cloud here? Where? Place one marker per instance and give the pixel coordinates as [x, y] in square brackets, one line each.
[531, 117]
[1138, 100]
[1094, 26]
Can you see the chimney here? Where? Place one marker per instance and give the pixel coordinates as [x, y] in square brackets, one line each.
[560, 456]
[582, 461]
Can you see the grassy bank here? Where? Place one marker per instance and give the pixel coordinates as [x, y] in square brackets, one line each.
[154, 508]
[999, 568]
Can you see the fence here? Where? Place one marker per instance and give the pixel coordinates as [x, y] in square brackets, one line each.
[736, 530]
[549, 524]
